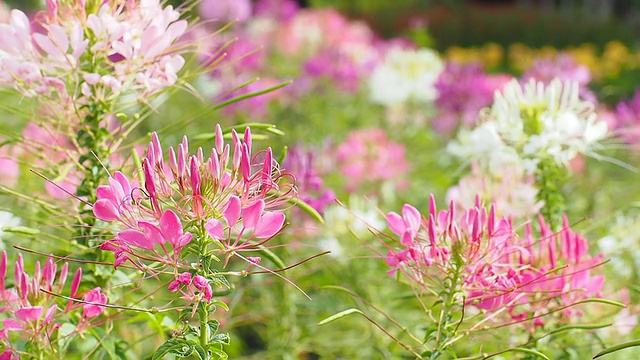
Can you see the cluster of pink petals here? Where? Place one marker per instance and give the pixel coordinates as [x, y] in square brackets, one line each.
[230, 193]
[463, 90]
[133, 39]
[31, 311]
[564, 67]
[528, 276]
[326, 48]
[307, 167]
[368, 156]
[626, 120]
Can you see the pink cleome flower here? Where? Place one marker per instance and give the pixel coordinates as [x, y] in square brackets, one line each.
[233, 195]
[31, 310]
[528, 276]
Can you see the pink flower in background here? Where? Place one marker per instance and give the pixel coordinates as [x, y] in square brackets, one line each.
[562, 67]
[9, 167]
[336, 67]
[255, 106]
[512, 192]
[134, 41]
[626, 120]
[224, 11]
[368, 156]
[307, 166]
[463, 90]
[282, 10]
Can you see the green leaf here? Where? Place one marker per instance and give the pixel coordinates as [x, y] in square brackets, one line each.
[221, 338]
[340, 315]
[213, 326]
[601, 301]
[199, 351]
[221, 304]
[252, 94]
[306, 208]
[271, 256]
[180, 347]
[614, 348]
[521, 350]
[221, 355]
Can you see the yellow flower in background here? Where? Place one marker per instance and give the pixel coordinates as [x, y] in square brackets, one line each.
[615, 56]
[490, 55]
[520, 57]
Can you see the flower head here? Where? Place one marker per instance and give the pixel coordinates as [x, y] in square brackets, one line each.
[486, 260]
[369, 156]
[406, 75]
[530, 122]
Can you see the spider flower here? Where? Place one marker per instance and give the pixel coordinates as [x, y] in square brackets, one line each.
[108, 49]
[531, 122]
[406, 76]
[235, 195]
[32, 313]
[482, 257]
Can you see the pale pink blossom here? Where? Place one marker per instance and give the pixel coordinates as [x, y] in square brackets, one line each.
[368, 157]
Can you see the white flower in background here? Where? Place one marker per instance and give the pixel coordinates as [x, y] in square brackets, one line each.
[533, 121]
[341, 222]
[484, 146]
[406, 75]
[513, 193]
[9, 220]
[622, 245]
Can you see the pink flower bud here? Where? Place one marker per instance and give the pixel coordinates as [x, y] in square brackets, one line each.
[200, 282]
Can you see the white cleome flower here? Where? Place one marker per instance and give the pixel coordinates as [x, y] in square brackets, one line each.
[538, 121]
[406, 75]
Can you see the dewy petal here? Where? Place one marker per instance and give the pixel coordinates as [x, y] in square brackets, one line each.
[215, 229]
[269, 224]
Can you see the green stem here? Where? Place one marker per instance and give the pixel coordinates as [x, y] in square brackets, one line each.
[549, 181]
[441, 342]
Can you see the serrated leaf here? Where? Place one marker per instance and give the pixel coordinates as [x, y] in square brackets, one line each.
[179, 347]
[221, 339]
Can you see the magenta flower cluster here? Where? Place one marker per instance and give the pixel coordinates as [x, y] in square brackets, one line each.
[529, 276]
